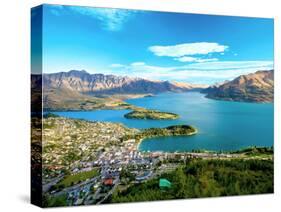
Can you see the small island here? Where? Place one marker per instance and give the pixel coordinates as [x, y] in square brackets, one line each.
[150, 114]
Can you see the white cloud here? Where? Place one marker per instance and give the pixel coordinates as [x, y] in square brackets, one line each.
[194, 59]
[180, 50]
[207, 72]
[138, 64]
[56, 10]
[207, 60]
[186, 59]
[116, 65]
[111, 19]
[224, 65]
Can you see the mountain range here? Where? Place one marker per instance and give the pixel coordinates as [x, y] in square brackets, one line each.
[79, 90]
[95, 84]
[254, 87]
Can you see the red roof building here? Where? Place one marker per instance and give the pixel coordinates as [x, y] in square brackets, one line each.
[108, 181]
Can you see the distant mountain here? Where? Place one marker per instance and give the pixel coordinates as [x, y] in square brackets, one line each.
[81, 82]
[79, 90]
[255, 87]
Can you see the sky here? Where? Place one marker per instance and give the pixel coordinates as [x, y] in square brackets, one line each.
[202, 49]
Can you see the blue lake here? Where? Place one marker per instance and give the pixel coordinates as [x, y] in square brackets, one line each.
[222, 125]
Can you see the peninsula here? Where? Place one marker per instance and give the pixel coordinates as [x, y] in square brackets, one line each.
[175, 130]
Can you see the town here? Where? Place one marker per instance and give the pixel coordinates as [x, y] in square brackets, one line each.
[86, 162]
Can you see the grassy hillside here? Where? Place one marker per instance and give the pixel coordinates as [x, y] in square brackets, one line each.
[205, 178]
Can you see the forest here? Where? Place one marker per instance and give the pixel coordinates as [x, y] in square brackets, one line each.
[205, 178]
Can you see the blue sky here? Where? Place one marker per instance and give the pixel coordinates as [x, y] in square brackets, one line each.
[156, 45]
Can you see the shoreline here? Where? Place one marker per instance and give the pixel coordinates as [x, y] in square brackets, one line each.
[118, 108]
[138, 143]
[204, 151]
[141, 139]
[117, 102]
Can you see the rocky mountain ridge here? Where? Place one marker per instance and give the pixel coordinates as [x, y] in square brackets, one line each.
[254, 87]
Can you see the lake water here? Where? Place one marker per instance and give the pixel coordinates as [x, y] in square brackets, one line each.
[222, 125]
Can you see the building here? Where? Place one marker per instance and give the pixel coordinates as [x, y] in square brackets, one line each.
[164, 183]
[108, 181]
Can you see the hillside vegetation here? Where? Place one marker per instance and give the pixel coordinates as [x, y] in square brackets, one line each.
[150, 114]
[205, 178]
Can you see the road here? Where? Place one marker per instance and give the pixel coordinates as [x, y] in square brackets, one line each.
[109, 193]
[68, 189]
[47, 186]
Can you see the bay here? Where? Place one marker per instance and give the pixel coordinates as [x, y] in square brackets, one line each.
[222, 125]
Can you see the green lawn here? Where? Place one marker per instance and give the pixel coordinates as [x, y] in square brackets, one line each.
[77, 178]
